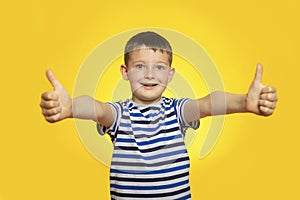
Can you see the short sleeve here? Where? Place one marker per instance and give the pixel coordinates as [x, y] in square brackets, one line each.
[114, 127]
[179, 107]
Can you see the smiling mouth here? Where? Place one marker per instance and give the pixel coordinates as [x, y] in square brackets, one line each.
[149, 85]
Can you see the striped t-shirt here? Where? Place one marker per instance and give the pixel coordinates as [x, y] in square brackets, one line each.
[150, 160]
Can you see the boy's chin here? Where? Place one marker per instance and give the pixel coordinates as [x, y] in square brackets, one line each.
[146, 99]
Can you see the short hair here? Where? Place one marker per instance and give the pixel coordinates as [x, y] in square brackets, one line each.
[149, 40]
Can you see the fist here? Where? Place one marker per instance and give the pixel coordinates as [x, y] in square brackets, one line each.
[56, 104]
[261, 99]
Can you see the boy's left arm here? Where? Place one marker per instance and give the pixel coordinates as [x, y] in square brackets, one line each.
[260, 100]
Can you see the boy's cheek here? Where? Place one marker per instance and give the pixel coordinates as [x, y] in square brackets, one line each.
[134, 86]
[134, 76]
[130, 72]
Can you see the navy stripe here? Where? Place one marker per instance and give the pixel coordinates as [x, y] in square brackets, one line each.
[149, 129]
[163, 139]
[138, 156]
[140, 114]
[150, 121]
[161, 171]
[148, 150]
[151, 187]
[159, 179]
[150, 195]
[149, 108]
[137, 136]
[156, 164]
[162, 131]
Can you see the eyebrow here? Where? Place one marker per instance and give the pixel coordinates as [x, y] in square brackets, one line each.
[141, 61]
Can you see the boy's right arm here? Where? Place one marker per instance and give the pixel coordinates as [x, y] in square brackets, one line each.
[260, 100]
[57, 105]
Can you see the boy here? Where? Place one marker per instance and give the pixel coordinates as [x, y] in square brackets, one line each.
[150, 160]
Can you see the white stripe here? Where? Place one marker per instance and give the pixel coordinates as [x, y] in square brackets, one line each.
[144, 169]
[142, 175]
[126, 183]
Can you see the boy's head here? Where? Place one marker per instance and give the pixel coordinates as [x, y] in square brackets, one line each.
[148, 58]
[148, 40]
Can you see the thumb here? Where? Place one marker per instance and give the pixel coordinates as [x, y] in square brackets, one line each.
[258, 73]
[54, 82]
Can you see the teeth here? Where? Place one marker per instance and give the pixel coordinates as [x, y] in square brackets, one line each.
[149, 84]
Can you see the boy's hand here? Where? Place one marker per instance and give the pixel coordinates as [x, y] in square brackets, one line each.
[57, 104]
[261, 100]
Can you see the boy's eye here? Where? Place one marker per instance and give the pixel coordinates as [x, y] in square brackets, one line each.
[140, 66]
[155, 67]
[160, 67]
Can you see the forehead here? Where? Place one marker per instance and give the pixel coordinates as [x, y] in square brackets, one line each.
[148, 55]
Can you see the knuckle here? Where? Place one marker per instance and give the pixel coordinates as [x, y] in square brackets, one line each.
[52, 119]
[270, 96]
[263, 96]
[52, 104]
[58, 109]
[270, 89]
[266, 111]
[43, 95]
[56, 118]
[46, 95]
[53, 111]
[49, 119]
[271, 112]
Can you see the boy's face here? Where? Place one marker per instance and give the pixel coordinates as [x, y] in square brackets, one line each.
[149, 73]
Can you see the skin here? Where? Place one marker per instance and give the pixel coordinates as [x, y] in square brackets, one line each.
[149, 74]
[148, 82]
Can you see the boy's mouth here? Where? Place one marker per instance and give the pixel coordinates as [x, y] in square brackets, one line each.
[149, 85]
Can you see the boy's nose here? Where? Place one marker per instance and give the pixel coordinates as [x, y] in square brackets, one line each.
[149, 73]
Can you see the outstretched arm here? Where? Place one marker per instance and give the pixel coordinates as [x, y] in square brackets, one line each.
[57, 105]
[260, 100]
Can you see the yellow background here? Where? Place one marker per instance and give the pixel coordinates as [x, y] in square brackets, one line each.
[255, 158]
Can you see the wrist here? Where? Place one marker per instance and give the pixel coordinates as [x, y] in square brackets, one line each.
[71, 113]
[250, 104]
[244, 100]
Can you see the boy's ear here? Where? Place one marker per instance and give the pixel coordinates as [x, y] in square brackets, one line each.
[124, 72]
[171, 74]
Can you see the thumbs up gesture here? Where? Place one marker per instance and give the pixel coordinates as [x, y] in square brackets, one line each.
[56, 104]
[261, 100]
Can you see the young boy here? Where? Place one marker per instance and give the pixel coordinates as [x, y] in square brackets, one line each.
[150, 160]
